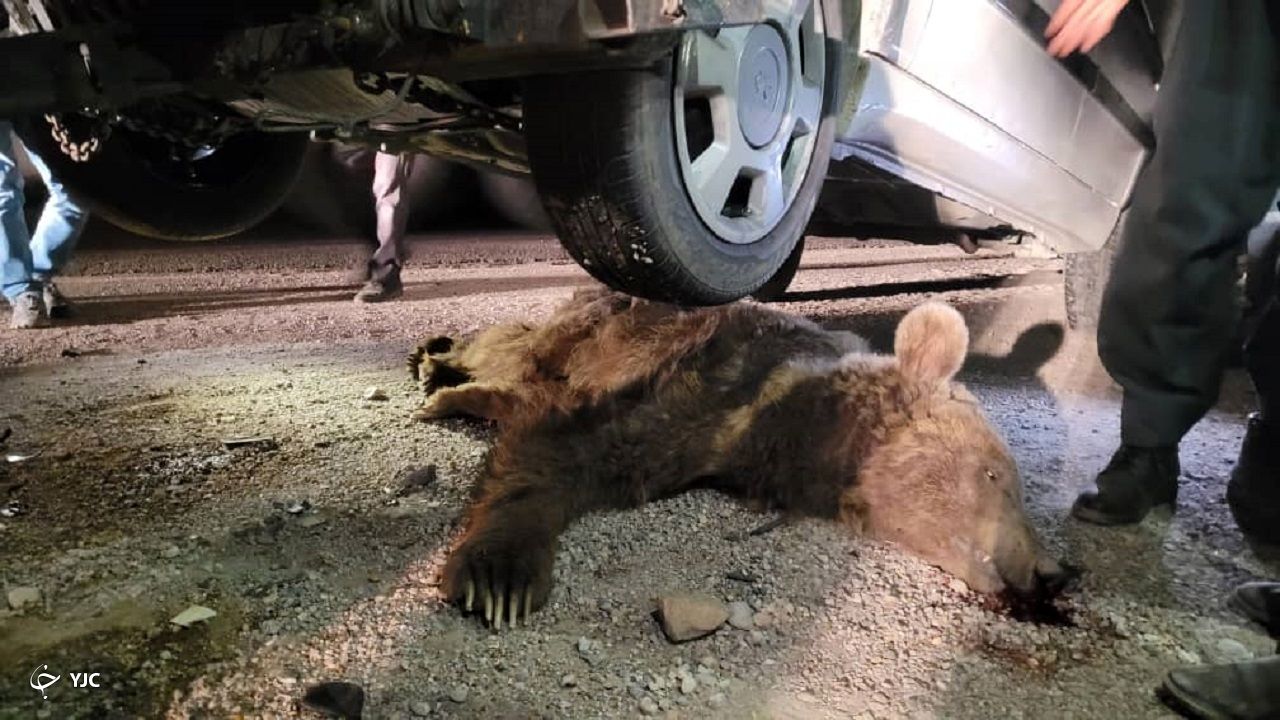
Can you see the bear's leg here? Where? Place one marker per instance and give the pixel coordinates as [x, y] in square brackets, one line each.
[540, 481]
[503, 563]
[479, 400]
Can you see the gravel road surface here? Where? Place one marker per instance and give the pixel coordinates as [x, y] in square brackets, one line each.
[316, 542]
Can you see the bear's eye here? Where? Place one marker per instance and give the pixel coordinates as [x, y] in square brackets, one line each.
[991, 476]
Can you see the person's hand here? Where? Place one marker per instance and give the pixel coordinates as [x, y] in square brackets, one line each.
[1081, 24]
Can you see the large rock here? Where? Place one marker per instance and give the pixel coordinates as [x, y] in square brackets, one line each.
[689, 617]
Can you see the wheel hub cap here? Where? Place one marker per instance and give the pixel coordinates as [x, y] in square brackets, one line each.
[747, 106]
[763, 85]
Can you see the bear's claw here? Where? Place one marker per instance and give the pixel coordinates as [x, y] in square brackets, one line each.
[421, 363]
[509, 584]
[499, 603]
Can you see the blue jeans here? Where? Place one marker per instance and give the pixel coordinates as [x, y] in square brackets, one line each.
[25, 259]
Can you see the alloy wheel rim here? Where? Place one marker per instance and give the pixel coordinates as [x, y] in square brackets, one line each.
[747, 105]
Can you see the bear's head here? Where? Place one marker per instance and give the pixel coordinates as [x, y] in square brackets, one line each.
[941, 482]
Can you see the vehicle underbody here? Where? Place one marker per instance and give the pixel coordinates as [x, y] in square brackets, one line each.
[437, 76]
[679, 146]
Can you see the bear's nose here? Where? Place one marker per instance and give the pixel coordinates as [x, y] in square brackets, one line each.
[1054, 578]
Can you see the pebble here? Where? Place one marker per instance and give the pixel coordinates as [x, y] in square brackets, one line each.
[740, 616]
[420, 709]
[688, 684]
[717, 700]
[459, 694]
[569, 680]
[193, 615]
[648, 706]
[21, 598]
[375, 393]
[691, 616]
[171, 552]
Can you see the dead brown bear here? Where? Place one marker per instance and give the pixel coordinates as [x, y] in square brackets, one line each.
[615, 402]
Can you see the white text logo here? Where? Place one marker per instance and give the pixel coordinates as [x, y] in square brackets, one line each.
[83, 680]
[43, 681]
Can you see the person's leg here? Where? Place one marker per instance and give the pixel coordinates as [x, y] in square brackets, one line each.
[16, 280]
[15, 251]
[1253, 493]
[61, 223]
[1262, 350]
[391, 172]
[1168, 313]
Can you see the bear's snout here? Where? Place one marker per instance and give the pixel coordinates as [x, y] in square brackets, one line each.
[1054, 578]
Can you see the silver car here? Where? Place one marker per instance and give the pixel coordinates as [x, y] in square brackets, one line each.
[680, 147]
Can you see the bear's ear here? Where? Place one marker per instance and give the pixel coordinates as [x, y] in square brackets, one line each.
[931, 343]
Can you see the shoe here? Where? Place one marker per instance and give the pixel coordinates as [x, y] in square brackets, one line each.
[1260, 603]
[380, 290]
[1253, 492]
[1237, 691]
[29, 311]
[1135, 482]
[55, 303]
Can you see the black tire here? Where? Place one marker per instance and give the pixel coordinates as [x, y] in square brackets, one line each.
[241, 183]
[603, 153]
[777, 285]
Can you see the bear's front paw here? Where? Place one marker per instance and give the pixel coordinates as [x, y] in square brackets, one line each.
[423, 361]
[505, 573]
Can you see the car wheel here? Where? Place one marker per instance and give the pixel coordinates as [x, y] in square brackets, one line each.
[692, 183]
[777, 285]
[142, 184]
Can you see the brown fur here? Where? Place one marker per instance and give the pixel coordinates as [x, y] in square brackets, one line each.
[614, 402]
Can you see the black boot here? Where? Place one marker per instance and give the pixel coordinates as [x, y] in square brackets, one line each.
[1260, 602]
[384, 284]
[1253, 493]
[1238, 691]
[1136, 481]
